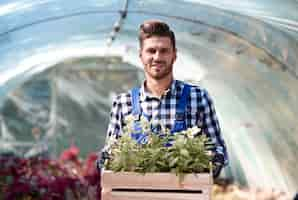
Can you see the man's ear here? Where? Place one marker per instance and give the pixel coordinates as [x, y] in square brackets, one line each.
[175, 57]
[140, 52]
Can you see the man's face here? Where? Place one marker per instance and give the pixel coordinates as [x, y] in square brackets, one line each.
[158, 57]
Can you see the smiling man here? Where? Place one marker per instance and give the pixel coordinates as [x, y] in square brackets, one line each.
[162, 99]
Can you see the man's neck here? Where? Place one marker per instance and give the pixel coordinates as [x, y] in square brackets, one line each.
[158, 87]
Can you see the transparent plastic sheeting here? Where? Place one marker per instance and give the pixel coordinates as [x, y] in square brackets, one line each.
[280, 14]
[61, 63]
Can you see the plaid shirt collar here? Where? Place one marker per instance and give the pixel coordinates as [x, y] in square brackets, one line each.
[146, 95]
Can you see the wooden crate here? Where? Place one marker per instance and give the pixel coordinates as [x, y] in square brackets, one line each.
[155, 186]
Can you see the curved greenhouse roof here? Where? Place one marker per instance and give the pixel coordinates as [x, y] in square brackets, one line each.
[62, 62]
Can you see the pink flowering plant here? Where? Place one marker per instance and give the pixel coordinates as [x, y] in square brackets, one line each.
[38, 178]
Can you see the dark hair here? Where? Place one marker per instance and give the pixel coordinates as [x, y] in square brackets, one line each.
[155, 28]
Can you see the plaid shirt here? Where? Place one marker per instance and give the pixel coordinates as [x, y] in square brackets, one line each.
[199, 112]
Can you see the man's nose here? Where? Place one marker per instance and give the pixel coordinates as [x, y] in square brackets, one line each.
[157, 55]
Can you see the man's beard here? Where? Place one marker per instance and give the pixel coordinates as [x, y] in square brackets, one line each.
[161, 75]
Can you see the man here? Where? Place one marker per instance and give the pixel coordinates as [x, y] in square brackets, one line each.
[162, 99]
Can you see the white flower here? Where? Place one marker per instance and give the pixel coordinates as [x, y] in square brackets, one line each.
[165, 130]
[145, 124]
[195, 129]
[192, 132]
[129, 119]
[180, 140]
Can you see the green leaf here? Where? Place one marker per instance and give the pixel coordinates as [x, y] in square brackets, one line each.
[184, 152]
[174, 162]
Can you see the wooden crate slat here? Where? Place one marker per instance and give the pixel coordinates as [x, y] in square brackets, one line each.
[152, 180]
[157, 196]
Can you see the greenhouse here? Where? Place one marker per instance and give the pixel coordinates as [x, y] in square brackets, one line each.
[62, 63]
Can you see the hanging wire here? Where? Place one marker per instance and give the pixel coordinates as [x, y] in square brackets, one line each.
[117, 25]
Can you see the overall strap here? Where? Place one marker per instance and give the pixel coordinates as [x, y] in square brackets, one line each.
[137, 133]
[135, 98]
[180, 123]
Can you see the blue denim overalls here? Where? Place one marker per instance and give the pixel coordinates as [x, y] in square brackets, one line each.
[179, 124]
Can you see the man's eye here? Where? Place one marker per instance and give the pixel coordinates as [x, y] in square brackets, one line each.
[151, 51]
[164, 50]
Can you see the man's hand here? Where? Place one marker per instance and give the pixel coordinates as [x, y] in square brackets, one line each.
[218, 162]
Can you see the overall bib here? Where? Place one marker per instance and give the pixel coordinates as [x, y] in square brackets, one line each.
[179, 123]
